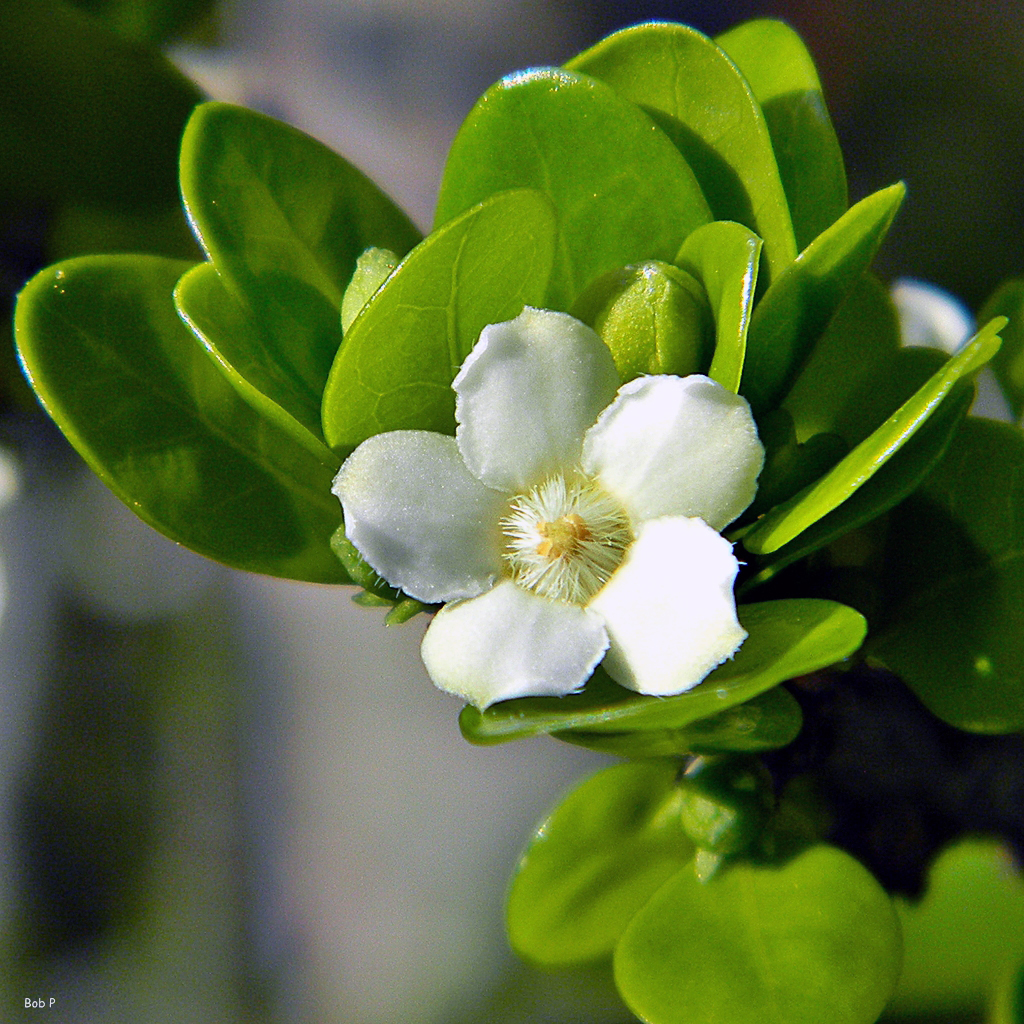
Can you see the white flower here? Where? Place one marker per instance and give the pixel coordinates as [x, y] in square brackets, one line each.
[564, 523]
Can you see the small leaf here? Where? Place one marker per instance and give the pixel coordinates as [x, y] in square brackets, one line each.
[621, 190]
[791, 518]
[810, 940]
[147, 409]
[227, 331]
[787, 639]
[594, 862]
[724, 257]
[1008, 363]
[395, 369]
[284, 219]
[954, 578]
[782, 77]
[795, 310]
[702, 102]
[766, 722]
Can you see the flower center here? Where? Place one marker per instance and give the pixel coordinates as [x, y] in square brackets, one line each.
[565, 538]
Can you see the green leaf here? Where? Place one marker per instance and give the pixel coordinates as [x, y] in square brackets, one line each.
[653, 317]
[86, 116]
[810, 940]
[621, 190]
[228, 332]
[284, 219]
[594, 862]
[701, 101]
[787, 639]
[954, 576]
[146, 408]
[897, 479]
[791, 518]
[957, 948]
[1008, 364]
[766, 722]
[782, 77]
[724, 257]
[402, 352]
[859, 370]
[795, 310]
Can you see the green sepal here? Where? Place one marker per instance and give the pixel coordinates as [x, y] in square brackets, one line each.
[724, 257]
[565, 134]
[795, 310]
[787, 639]
[788, 520]
[953, 577]
[144, 405]
[653, 317]
[782, 76]
[809, 939]
[594, 861]
[401, 353]
[696, 94]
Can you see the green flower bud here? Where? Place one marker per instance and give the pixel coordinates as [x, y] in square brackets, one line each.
[727, 800]
[372, 269]
[654, 317]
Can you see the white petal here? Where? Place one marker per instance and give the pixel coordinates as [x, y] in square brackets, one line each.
[419, 517]
[676, 446]
[669, 609]
[526, 395]
[930, 316]
[510, 643]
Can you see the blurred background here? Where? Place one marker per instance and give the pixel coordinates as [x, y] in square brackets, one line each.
[227, 798]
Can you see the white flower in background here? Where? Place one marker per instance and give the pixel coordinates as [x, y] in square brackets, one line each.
[931, 316]
[564, 523]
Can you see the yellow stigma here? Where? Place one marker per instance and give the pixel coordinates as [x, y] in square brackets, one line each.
[565, 538]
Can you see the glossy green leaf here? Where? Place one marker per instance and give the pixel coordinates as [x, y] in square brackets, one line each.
[622, 192]
[767, 722]
[147, 409]
[789, 465]
[594, 862]
[702, 102]
[795, 310]
[787, 639]
[791, 518]
[86, 116]
[653, 317]
[782, 77]
[226, 329]
[859, 370]
[897, 479]
[815, 939]
[284, 219]
[724, 257]
[955, 581]
[402, 352]
[1008, 363]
